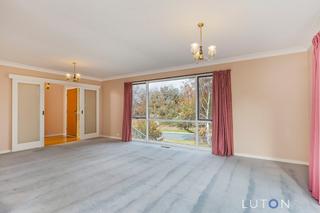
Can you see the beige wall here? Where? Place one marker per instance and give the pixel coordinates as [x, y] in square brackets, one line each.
[54, 110]
[5, 99]
[271, 105]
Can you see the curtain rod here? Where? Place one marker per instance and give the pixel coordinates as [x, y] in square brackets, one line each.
[177, 76]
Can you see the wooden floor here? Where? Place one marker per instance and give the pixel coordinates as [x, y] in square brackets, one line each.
[100, 176]
[60, 139]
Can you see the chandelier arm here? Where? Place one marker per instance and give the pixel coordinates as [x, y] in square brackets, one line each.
[197, 50]
[74, 67]
[200, 36]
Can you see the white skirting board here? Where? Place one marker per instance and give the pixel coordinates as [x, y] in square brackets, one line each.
[4, 151]
[271, 159]
[236, 154]
[245, 155]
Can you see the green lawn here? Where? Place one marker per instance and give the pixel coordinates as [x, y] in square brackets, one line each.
[176, 130]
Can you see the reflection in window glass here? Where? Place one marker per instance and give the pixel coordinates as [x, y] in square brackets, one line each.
[139, 101]
[205, 98]
[172, 99]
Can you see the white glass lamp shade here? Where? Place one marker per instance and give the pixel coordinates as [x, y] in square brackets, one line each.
[68, 76]
[194, 48]
[212, 51]
[196, 56]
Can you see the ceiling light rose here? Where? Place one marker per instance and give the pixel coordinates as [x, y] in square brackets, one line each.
[75, 77]
[197, 49]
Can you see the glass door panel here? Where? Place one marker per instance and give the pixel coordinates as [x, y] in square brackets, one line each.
[28, 113]
[90, 111]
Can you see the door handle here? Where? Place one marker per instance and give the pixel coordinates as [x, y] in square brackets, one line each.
[42, 112]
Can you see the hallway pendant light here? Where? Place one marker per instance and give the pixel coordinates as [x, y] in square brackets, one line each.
[75, 77]
[197, 49]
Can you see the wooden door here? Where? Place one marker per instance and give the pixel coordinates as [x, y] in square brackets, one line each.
[72, 112]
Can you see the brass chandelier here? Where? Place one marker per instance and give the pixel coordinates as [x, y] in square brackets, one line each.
[75, 77]
[197, 49]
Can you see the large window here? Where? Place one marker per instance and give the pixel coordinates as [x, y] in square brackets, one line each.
[139, 125]
[173, 111]
[204, 110]
[172, 99]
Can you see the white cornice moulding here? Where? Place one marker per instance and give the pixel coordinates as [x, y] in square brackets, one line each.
[40, 69]
[53, 81]
[168, 69]
[215, 62]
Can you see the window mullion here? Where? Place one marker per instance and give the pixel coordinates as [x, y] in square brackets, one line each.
[196, 108]
[147, 111]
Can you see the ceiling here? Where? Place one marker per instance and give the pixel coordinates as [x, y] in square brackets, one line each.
[123, 37]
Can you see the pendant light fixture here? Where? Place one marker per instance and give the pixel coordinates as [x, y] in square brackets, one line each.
[197, 49]
[75, 77]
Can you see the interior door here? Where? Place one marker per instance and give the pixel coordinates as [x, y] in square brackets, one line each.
[72, 112]
[27, 114]
[90, 118]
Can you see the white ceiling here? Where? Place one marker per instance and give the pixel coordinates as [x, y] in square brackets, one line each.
[112, 38]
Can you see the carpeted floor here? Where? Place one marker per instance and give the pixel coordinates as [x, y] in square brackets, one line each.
[101, 176]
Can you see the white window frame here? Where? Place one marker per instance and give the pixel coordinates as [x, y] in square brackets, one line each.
[147, 119]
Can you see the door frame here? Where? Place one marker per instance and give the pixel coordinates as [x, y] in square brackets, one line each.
[82, 86]
[15, 95]
[65, 110]
[82, 109]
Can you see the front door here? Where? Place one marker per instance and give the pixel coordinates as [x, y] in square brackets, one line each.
[72, 112]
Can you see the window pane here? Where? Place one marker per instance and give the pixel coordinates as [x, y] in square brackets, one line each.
[204, 134]
[172, 99]
[172, 132]
[138, 129]
[205, 100]
[139, 100]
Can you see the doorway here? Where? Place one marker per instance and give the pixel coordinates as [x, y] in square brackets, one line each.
[57, 99]
[72, 114]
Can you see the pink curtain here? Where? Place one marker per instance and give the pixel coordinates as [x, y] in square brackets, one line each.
[127, 112]
[314, 164]
[222, 138]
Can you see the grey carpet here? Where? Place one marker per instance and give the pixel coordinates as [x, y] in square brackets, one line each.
[105, 176]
